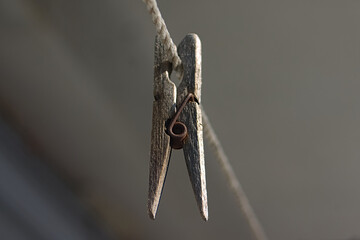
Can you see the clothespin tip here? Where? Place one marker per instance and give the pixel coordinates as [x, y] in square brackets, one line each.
[205, 215]
[151, 214]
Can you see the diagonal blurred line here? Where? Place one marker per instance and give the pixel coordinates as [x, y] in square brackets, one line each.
[234, 182]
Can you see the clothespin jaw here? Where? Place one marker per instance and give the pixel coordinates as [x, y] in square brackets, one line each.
[189, 51]
[163, 109]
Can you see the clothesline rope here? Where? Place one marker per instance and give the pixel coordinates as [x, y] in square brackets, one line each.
[209, 132]
[164, 34]
[234, 182]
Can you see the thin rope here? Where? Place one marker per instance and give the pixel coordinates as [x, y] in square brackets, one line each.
[164, 34]
[209, 132]
[235, 185]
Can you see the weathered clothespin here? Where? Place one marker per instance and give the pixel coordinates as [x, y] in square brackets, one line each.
[177, 122]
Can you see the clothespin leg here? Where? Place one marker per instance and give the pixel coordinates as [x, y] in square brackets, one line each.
[190, 53]
[163, 109]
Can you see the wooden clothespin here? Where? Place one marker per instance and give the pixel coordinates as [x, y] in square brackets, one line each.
[177, 122]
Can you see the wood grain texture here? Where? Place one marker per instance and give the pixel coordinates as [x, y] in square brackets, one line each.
[190, 53]
[163, 109]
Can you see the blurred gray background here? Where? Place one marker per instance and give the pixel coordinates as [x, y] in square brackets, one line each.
[281, 83]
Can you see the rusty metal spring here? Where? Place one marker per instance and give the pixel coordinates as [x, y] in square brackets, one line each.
[177, 130]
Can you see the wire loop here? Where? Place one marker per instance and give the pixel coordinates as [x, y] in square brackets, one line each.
[178, 130]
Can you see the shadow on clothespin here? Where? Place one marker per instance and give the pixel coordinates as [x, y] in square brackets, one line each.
[177, 122]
